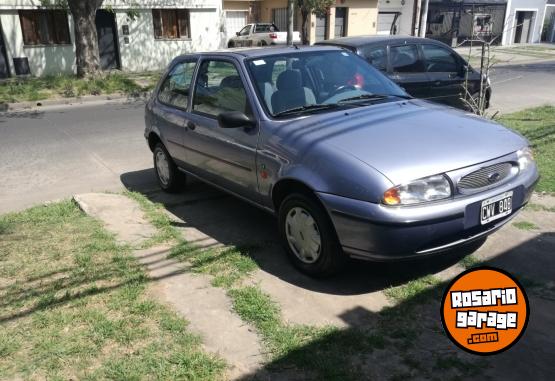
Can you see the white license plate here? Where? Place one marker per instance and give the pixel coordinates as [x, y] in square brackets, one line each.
[496, 207]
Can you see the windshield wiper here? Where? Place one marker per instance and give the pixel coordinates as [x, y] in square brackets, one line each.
[373, 97]
[315, 107]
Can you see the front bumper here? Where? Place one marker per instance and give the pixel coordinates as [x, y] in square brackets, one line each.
[381, 233]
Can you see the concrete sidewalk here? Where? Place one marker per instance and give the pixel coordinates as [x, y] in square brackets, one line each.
[510, 55]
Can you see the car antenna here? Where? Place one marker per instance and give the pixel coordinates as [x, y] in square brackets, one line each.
[295, 46]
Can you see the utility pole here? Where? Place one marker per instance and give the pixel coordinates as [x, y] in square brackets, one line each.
[290, 15]
[423, 18]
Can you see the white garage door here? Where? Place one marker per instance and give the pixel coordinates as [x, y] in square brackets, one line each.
[234, 21]
[384, 22]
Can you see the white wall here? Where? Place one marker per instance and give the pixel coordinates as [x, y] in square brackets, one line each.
[145, 53]
[513, 6]
[142, 53]
[405, 20]
[43, 59]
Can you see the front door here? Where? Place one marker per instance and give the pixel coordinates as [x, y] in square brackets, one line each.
[4, 66]
[321, 28]
[107, 40]
[407, 70]
[445, 74]
[224, 156]
[523, 26]
[340, 22]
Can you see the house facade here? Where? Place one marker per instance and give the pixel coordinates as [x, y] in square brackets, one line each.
[37, 41]
[345, 18]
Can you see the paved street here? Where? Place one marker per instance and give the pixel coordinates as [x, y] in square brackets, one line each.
[53, 154]
[520, 86]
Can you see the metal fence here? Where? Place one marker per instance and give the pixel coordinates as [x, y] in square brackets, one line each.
[456, 22]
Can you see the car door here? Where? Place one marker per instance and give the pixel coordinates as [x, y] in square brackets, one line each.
[224, 156]
[244, 35]
[446, 74]
[407, 70]
[170, 116]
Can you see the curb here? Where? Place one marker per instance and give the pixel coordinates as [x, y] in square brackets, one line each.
[87, 99]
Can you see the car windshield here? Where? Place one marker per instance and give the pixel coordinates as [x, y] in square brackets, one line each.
[315, 81]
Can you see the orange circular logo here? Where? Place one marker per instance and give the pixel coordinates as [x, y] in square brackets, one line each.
[484, 310]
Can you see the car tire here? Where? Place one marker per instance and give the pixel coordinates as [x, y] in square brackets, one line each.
[230, 44]
[169, 177]
[309, 237]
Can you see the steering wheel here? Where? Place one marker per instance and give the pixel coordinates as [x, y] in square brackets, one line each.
[342, 89]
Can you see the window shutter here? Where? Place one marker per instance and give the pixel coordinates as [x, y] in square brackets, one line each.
[169, 23]
[156, 17]
[61, 27]
[29, 27]
[183, 19]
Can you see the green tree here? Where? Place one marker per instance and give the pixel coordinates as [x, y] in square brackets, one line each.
[318, 7]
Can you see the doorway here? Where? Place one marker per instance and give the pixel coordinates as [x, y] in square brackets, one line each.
[107, 40]
[4, 64]
[321, 28]
[523, 26]
[340, 22]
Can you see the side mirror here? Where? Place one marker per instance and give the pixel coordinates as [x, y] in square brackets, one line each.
[237, 34]
[234, 119]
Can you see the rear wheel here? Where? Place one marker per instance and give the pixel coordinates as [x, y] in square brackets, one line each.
[230, 44]
[169, 177]
[309, 236]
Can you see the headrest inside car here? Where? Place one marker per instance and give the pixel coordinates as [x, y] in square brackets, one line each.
[289, 80]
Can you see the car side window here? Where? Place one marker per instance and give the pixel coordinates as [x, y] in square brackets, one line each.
[218, 89]
[404, 59]
[245, 31]
[439, 59]
[262, 28]
[376, 56]
[175, 89]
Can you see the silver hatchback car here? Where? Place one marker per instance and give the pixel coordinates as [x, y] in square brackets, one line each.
[349, 163]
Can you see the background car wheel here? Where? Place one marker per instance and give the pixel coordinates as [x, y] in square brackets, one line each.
[169, 177]
[309, 236]
[230, 44]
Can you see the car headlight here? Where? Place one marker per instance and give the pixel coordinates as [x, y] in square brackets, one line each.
[427, 189]
[525, 158]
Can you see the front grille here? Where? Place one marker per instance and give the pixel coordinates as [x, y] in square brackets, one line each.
[486, 176]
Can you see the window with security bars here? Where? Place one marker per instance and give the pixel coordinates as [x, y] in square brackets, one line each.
[171, 23]
[44, 27]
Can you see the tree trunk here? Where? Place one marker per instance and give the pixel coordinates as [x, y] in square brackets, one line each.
[86, 40]
[304, 26]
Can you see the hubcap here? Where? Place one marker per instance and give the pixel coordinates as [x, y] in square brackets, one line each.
[303, 235]
[162, 167]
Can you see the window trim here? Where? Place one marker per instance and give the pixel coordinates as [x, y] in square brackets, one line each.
[193, 81]
[176, 12]
[239, 72]
[49, 13]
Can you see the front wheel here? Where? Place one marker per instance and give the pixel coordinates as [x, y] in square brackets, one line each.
[309, 236]
[169, 177]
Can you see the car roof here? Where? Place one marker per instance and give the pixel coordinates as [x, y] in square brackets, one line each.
[357, 41]
[255, 52]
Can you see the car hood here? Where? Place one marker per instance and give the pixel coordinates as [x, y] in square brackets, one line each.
[410, 139]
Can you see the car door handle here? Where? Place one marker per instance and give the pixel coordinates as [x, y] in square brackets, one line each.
[191, 125]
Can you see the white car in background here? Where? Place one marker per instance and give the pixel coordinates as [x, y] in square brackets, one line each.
[261, 34]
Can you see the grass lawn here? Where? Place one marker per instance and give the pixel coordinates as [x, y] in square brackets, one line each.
[73, 305]
[538, 126]
[66, 86]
